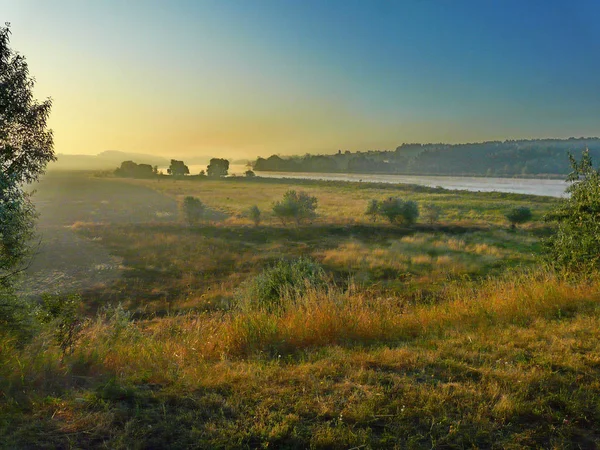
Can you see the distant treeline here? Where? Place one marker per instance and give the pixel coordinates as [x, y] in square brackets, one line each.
[495, 158]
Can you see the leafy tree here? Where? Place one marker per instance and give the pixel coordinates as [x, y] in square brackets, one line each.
[297, 206]
[373, 210]
[397, 210]
[249, 173]
[576, 243]
[26, 146]
[254, 214]
[129, 169]
[518, 215]
[431, 213]
[193, 210]
[178, 168]
[217, 167]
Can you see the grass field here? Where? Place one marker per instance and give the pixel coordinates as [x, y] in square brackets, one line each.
[444, 335]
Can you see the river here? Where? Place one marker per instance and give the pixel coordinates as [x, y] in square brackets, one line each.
[534, 186]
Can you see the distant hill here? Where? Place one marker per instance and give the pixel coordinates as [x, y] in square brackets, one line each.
[536, 157]
[108, 160]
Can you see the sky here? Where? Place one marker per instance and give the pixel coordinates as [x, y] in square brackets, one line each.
[243, 78]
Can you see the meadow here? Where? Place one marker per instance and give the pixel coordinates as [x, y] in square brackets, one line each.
[449, 334]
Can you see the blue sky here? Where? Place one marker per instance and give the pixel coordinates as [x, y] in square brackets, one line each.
[248, 78]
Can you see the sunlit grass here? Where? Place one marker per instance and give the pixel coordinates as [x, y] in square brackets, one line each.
[516, 357]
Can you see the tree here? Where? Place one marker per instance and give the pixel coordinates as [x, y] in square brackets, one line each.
[249, 173]
[193, 210]
[397, 210]
[217, 167]
[254, 214]
[178, 168]
[431, 213]
[129, 169]
[518, 215]
[372, 210]
[576, 244]
[26, 147]
[298, 206]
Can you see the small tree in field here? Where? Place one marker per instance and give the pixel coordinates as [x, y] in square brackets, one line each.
[297, 206]
[372, 210]
[254, 214]
[397, 210]
[518, 216]
[576, 244]
[431, 213]
[193, 210]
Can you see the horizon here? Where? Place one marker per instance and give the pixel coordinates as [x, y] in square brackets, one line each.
[254, 79]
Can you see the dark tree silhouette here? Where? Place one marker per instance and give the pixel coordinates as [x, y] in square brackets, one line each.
[217, 167]
[178, 168]
[26, 147]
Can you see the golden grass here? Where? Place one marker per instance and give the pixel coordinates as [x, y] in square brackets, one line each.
[502, 354]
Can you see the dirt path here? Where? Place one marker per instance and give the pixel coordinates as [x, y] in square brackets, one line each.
[66, 262]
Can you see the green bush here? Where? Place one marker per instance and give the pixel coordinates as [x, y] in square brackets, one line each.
[297, 206]
[576, 244]
[431, 213]
[519, 215]
[372, 210]
[62, 313]
[284, 283]
[397, 210]
[193, 210]
[16, 315]
[253, 214]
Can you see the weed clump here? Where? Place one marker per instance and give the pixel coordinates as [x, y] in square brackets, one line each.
[281, 285]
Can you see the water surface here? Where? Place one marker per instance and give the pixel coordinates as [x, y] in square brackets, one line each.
[534, 186]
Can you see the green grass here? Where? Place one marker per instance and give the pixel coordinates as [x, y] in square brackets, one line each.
[430, 336]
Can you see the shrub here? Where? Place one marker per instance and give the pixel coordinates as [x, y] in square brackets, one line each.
[62, 312]
[518, 215]
[249, 173]
[431, 213]
[280, 285]
[399, 211]
[576, 244]
[372, 210]
[16, 316]
[254, 214]
[296, 206]
[193, 210]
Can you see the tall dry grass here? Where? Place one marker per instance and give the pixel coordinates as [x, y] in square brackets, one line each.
[177, 348]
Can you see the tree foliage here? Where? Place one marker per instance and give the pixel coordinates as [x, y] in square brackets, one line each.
[129, 169]
[431, 213]
[576, 243]
[297, 206]
[193, 210]
[178, 168]
[26, 146]
[519, 215]
[397, 210]
[254, 214]
[372, 209]
[217, 167]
